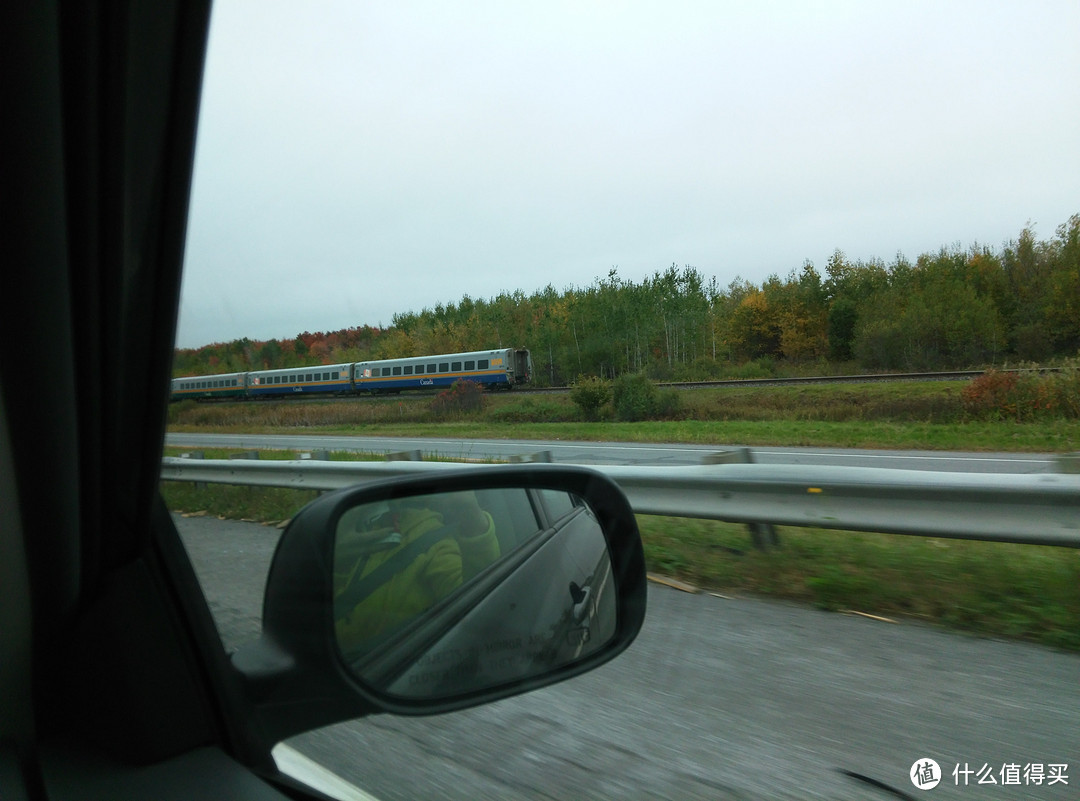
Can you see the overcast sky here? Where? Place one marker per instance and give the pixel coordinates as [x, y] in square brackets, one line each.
[358, 159]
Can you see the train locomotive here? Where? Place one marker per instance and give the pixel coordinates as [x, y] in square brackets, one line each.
[504, 368]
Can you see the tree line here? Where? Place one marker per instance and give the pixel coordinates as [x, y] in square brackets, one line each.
[952, 309]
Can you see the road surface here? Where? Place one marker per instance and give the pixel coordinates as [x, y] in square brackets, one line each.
[717, 699]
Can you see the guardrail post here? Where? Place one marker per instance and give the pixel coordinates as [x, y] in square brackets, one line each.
[763, 535]
[319, 455]
[530, 458]
[199, 485]
[405, 456]
[1068, 463]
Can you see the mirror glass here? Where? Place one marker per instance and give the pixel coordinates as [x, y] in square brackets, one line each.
[443, 594]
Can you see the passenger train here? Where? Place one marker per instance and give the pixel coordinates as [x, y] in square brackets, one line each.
[493, 369]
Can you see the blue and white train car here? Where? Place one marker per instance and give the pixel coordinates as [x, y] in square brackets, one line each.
[318, 379]
[492, 369]
[204, 387]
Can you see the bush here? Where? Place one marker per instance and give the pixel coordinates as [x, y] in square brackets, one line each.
[992, 394]
[669, 404]
[464, 397]
[637, 398]
[1024, 396]
[590, 394]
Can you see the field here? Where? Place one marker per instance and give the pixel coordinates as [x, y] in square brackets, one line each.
[893, 415]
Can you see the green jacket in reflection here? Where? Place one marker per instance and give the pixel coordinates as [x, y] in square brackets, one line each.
[452, 560]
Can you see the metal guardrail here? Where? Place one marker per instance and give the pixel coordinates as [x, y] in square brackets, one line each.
[1038, 509]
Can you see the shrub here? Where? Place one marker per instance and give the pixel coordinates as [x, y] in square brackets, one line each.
[636, 398]
[464, 397]
[669, 404]
[992, 394]
[1023, 396]
[590, 394]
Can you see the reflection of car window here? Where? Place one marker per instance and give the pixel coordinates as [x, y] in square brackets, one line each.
[556, 504]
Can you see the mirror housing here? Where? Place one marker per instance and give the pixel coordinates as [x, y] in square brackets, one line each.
[298, 675]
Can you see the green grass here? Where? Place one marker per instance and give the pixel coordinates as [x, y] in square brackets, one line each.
[1019, 591]
[901, 415]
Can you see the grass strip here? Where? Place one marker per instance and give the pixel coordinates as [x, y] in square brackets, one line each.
[907, 415]
[1001, 589]
[995, 589]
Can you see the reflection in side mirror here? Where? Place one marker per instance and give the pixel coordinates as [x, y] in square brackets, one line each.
[442, 591]
[445, 594]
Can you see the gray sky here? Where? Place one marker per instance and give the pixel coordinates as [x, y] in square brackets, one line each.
[357, 159]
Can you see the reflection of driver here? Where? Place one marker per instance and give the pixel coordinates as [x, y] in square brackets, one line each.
[403, 558]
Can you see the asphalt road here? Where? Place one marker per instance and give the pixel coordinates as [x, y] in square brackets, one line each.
[605, 453]
[717, 699]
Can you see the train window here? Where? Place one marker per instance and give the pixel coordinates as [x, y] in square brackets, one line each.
[326, 376]
[397, 370]
[386, 371]
[470, 365]
[455, 367]
[408, 369]
[444, 367]
[482, 364]
[431, 368]
[307, 377]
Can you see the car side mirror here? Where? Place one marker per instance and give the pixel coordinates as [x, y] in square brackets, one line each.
[436, 593]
